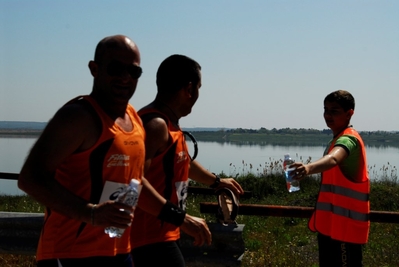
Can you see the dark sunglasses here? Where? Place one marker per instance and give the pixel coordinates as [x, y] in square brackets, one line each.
[117, 68]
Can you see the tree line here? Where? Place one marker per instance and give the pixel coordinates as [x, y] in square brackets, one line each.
[291, 136]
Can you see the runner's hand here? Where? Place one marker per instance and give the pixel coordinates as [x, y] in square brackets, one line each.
[231, 184]
[197, 228]
[112, 213]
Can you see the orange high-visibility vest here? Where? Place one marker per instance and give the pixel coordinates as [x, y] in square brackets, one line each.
[343, 208]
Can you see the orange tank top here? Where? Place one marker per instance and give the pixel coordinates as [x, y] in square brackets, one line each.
[168, 174]
[116, 157]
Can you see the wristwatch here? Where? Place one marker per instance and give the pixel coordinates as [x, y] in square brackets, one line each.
[217, 181]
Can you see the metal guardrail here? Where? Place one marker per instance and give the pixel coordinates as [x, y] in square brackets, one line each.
[281, 211]
[9, 176]
[19, 232]
[293, 211]
[261, 210]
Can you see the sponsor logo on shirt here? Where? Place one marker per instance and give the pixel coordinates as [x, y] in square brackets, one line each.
[182, 156]
[131, 143]
[118, 160]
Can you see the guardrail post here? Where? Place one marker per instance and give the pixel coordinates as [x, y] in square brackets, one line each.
[227, 248]
[19, 232]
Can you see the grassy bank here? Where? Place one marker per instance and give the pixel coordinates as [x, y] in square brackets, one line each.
[274, 241]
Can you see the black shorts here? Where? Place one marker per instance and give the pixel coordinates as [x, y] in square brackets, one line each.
[337, 253]
[158, 254]
[120, 260]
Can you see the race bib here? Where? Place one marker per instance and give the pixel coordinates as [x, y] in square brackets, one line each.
[181, 192]
[112, 190]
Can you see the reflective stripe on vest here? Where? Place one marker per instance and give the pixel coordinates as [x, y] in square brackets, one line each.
[344, 192]
[343, 212]
[342, 209]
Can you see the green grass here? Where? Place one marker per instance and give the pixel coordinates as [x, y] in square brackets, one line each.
[18, 204]
[283, 241]
[21, 203]
[274, 241]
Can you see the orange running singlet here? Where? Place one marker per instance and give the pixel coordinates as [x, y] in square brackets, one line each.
[117, 157]
[168, 174]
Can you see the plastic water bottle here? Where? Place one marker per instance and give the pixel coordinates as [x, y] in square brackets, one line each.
[292, 185]
[130, 196]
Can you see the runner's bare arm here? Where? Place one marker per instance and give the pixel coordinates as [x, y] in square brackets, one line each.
[71, 129]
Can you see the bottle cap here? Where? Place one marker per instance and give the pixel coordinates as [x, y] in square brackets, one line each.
[134, 182]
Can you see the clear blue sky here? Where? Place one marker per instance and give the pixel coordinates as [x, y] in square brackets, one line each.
[264, 63]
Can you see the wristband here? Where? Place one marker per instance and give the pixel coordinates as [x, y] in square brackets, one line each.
[170, 213]
[217, 181]
[92, 213]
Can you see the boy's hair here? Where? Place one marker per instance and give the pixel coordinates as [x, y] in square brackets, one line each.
[343, 98]
[175, 72]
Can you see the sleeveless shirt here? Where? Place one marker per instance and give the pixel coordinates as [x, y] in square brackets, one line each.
[168, 174]
[116, 158]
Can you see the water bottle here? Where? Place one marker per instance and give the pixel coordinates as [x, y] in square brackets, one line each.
[130, 196]
[292, 185]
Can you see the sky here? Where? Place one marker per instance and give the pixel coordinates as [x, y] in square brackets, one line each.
[264, 63]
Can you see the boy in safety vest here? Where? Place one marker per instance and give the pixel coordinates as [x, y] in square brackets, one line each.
[341, 215]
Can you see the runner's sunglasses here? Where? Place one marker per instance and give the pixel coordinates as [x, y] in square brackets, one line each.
[117, 68]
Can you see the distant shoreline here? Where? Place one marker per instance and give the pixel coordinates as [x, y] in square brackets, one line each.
[308, 137]
[20, 132]
[35, 128]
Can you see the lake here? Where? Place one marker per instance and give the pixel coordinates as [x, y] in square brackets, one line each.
[216, 157]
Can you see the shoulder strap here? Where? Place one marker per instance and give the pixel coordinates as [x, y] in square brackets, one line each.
[147, 116]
